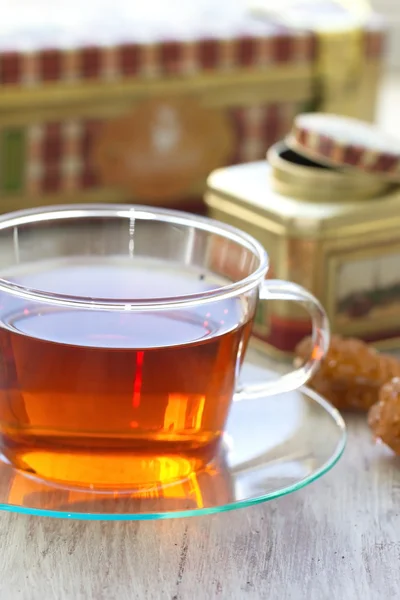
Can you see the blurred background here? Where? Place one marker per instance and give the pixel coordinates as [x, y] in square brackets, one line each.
[390, 9]
[117, 101]
[120, 101]
[390, 92]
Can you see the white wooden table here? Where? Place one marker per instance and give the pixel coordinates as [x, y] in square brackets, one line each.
[338, 539]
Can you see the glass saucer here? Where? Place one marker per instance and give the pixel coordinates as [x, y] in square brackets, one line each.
[272, 446]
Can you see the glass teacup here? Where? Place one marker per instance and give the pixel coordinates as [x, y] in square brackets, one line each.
[122, 333]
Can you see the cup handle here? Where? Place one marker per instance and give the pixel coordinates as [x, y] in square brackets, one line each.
[274, 289]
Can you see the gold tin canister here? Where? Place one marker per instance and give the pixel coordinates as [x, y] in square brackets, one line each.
[336, 232]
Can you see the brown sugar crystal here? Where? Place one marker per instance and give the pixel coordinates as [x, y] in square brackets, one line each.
[384, 416]
[351, 374]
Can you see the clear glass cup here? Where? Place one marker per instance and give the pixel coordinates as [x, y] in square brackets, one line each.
[122, 333]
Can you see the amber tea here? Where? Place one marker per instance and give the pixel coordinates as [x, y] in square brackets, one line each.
[74, 380]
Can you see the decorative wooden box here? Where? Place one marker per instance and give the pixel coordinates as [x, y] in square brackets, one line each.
[112, 103]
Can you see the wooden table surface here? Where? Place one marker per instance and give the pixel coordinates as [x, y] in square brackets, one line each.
[337, 539]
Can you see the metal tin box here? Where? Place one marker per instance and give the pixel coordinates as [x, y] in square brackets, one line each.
[335, 232]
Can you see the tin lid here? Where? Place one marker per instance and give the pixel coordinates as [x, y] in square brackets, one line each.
[297, 176]
[345, 143]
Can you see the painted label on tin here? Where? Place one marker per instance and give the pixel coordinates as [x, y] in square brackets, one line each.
[366, 291]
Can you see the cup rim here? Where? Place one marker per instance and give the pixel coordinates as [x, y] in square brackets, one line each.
[60, 212]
